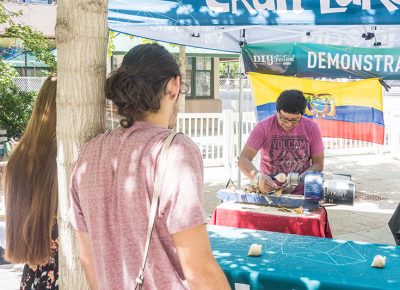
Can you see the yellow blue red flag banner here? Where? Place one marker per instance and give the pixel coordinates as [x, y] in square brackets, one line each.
[350, 110]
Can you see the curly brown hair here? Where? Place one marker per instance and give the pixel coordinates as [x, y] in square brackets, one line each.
[291, 101]
[140, 83]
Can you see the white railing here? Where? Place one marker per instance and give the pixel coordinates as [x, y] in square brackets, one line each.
[216, 134]
[339, 146]
[206, 131]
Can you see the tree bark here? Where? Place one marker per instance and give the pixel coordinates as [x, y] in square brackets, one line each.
[81, 39]
[182, 68]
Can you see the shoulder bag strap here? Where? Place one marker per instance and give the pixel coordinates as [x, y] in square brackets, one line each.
[154, 203]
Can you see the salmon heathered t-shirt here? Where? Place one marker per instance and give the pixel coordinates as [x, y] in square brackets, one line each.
[111, 190]
[286, 151]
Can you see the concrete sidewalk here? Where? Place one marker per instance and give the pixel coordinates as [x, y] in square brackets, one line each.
[10, 276]
[377, 190]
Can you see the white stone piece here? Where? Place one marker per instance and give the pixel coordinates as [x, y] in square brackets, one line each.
[254, 250]
[379, 261]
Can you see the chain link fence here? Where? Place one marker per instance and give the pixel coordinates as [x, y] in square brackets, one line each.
[229, 95]
[29, 84]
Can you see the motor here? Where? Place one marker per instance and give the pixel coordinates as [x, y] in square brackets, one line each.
[329, 187]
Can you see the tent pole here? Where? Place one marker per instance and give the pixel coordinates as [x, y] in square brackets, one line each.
[240, 121]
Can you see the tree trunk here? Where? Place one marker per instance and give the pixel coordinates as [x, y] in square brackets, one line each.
[182, 68]
[81, 38]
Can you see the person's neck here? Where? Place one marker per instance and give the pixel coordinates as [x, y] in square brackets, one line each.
[158, 119]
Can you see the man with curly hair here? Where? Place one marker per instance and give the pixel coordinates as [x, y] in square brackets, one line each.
[112, 186]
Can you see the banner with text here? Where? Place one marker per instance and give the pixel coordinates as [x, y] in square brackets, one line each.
[350, 110]
[252, 12]
[318, 60]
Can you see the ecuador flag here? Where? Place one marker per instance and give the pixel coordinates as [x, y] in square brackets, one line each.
[350, 110]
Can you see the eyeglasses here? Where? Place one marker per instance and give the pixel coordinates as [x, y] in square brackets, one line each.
[291, 121]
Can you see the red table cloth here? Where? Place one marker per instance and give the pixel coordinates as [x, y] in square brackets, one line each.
[271, 219]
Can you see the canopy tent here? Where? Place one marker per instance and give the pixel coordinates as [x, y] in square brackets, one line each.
[252, 12]
[229, 24]
[220, 25]
[229, 38]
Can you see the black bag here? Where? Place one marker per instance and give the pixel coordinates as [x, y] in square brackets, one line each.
[394, 225]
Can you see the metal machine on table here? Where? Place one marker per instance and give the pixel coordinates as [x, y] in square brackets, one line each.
[330, 188]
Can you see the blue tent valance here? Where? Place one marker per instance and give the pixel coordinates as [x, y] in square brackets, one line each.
[226, 24]
[254, 12]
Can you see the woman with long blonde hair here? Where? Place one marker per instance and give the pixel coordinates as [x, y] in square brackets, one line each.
[31, 196]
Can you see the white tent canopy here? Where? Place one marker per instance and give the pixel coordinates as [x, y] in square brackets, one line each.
[229, 38]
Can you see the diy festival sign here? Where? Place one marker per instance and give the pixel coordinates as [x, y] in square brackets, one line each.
[316, 60]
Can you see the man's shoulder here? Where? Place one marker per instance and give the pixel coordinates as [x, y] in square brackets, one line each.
[309, 122]
[268, 121]
[97, 143]
[96, 139]
[185, 141]
[310, 127]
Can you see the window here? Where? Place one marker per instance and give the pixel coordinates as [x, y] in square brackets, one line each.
[116, 61]
[203, 63]
[203, 83]
[200, 78]
[188, 81]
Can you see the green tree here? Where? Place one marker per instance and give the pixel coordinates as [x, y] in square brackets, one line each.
[229, 69]
[32, 41]
[111, 44]
[35, 43]
[7, 72]
[15, 104]
[15, 109]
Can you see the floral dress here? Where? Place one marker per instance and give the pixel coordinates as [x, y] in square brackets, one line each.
[44, 276]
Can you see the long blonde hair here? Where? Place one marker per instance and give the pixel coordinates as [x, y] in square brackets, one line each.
[31, 184]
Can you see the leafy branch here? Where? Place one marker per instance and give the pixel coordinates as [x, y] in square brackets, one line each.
[15, 104]
[33, 41]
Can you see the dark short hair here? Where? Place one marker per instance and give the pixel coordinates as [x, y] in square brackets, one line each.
[139, 84]
[292, 102]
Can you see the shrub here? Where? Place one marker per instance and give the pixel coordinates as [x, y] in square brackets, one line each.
[15, 109]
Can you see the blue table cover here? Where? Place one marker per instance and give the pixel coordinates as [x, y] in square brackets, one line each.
[302, 262]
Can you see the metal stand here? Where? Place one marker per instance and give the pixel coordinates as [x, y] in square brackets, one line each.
[240, 121]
